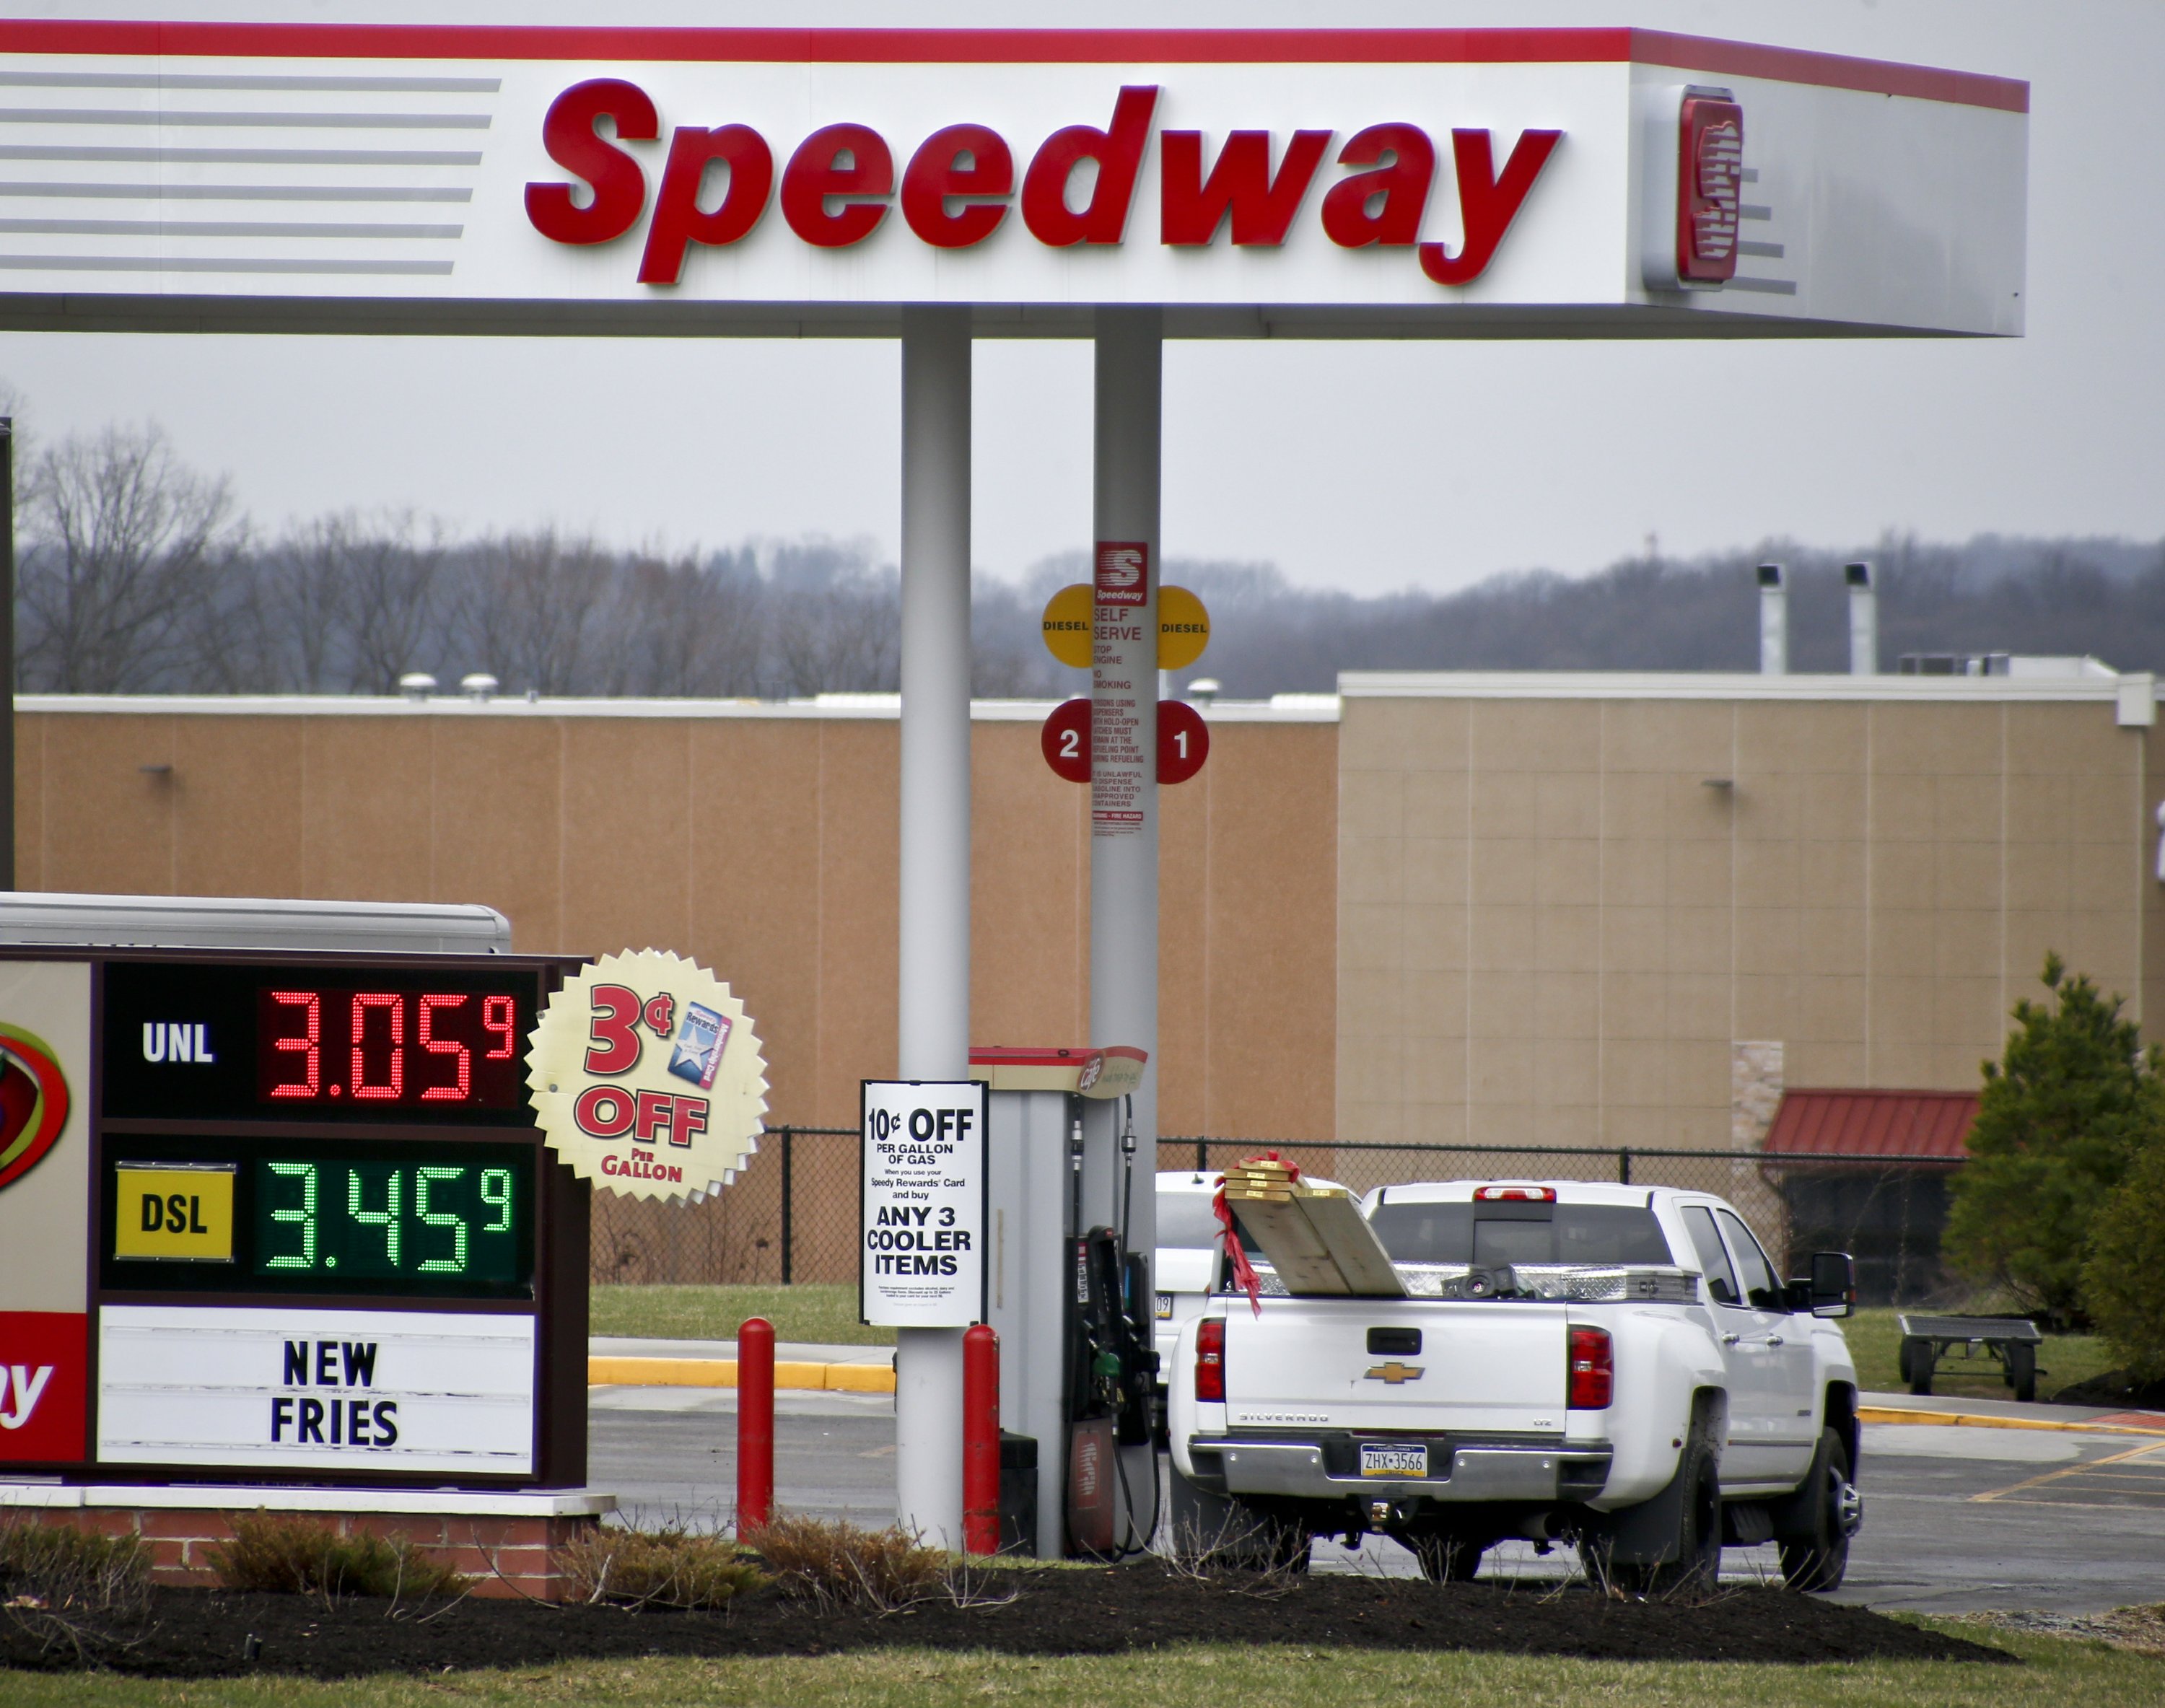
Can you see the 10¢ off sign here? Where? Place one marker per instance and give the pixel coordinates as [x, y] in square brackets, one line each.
[923, 1256]
[646, 1078]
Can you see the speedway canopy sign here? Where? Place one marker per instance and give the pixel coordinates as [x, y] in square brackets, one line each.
[1319, 183]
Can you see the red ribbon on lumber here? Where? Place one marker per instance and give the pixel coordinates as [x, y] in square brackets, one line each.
[1244, 1272]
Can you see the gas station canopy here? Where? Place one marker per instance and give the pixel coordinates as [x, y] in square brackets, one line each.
[1256, 183]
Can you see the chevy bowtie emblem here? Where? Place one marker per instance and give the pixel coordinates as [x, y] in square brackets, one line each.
[1394, 1372]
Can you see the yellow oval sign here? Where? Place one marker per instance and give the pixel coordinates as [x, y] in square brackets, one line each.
[1066, 625]
[1184, 628]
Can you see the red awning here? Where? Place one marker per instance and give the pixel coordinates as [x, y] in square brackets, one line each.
[1923, 1124]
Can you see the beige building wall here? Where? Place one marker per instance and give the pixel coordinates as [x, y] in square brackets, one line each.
[1580, 910]
[760, 840]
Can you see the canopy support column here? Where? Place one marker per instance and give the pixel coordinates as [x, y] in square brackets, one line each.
[1124, 878]
[933, 1037]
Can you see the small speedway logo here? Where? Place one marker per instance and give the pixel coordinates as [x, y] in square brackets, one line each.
[646, 1078]
[1123, 572]
[1720, 181]
[34, 1102]
[1709, 188]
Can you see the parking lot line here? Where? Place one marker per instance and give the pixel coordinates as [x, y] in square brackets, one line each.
[2086, 1468]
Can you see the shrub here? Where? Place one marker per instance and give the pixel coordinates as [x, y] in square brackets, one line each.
[305, 1557]
[836, 1562]
[663, 1567]
[60, 1585]
[2124, 1281]
[2060, 1118]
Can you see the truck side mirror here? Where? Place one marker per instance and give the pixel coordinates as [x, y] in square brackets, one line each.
[1830, 1289]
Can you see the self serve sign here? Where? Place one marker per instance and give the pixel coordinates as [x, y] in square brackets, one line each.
[176, 1213]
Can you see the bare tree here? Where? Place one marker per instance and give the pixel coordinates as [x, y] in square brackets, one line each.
[125, 545]
[525, 605]
[835, 618]
[682, 628]
[376, 579]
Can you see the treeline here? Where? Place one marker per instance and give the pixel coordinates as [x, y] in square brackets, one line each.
[135, 574]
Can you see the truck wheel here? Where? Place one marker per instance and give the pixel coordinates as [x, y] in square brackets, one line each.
[1818, 1559]
[2022, 1371]
[1918, 1357]
[1449, 1556]
[1697, 1563]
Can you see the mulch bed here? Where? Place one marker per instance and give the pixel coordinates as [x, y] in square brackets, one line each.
[194, 1633]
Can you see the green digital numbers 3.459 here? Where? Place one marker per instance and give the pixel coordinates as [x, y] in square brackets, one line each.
[369, 1222]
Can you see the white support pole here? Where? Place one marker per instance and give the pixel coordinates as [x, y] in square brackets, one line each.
[934, 1030]
[1123, 690]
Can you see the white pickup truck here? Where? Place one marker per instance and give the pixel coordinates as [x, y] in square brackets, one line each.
[1616, 1368]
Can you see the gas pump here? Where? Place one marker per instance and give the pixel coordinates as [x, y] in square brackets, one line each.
[1070, 1292]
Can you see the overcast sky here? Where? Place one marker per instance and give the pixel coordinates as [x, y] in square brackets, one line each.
[1466, 459]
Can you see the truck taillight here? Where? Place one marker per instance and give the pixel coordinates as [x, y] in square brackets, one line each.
[1210, 1359]
[1593, 1369]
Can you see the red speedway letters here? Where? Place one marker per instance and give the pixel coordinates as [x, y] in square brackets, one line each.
[958, 185]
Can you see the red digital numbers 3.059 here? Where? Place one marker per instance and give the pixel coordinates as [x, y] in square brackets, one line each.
[388, 1046]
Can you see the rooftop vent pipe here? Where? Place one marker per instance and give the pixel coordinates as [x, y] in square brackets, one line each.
[478, 686]
[1773, 621]
[417, 684]
[1863, 619]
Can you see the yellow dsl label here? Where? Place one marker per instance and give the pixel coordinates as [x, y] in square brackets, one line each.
[173, 1213]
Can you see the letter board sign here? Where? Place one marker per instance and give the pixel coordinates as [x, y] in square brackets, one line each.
[315, 1390]
[922, 1259]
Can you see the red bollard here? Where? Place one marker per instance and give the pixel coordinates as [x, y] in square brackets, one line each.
[981, 1441]
[754, 1426]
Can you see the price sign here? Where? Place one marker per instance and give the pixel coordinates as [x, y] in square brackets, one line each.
[234, 1041]
[412, 1218]
[284, 1215]
[923, 1254]
[647, 1079]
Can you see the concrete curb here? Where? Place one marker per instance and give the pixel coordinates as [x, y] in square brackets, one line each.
[1891, 1414]
[722, 1373]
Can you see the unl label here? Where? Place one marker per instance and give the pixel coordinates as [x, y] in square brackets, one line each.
[923, 1254]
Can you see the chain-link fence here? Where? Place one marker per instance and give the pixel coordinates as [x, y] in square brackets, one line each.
[793, 1215]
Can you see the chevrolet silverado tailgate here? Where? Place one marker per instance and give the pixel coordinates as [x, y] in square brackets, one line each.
[1476, 1366]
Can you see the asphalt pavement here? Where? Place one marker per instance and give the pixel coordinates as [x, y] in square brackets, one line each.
[1957, 1518]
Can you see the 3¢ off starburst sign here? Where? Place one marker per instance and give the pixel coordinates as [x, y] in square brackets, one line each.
[646, 1076]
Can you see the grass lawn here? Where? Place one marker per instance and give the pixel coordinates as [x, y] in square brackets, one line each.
[1874, 1341]
[829, 1314]
[2058, 1672]
[821, 1313]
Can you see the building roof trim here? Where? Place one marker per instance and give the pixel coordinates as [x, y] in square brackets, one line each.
[2134, 691]
[1281, 709]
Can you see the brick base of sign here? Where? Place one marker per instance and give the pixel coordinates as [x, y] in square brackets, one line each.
[506, 1554]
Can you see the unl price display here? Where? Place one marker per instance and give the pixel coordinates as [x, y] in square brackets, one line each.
[401, 1048]
[364, 1222]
